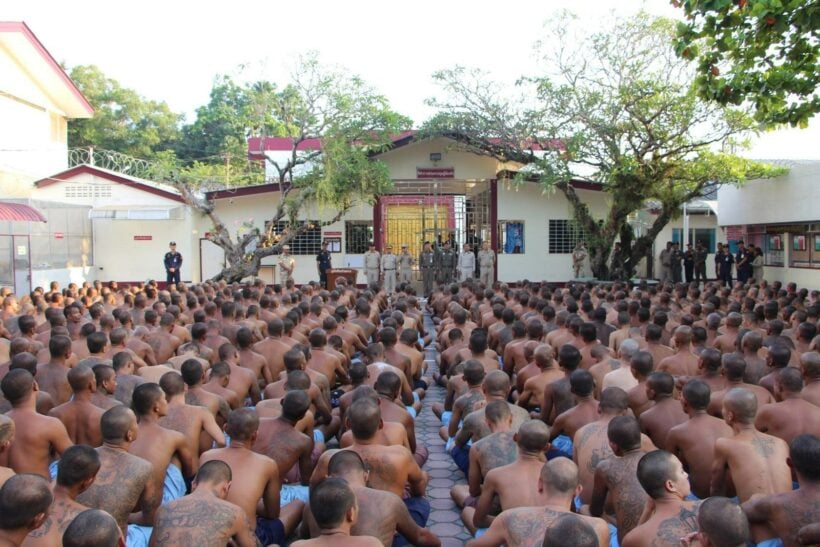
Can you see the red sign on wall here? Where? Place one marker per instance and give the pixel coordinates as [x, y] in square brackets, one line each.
[143, 238]
[435, 172]
[332, 234]
[59, 235]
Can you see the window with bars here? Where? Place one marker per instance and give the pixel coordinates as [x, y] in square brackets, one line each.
[309, 242]
[563, 236]
[706, 236]
[358, 235]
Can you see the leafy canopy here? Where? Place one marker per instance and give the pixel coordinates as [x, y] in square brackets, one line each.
[764, 52]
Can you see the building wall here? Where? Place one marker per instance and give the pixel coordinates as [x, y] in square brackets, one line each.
[528, 202]
[403, 161]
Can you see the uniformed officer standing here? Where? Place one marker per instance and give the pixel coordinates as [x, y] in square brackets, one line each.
[427, 263]
[372, 262]
[323, 264]
[466, 263]
[446, 264]
[675, 263]
[486, 265]
[286, 265]
[688, 263]
[389, 264]
[173, 262]
[666, 263]
[405, 265]
[700, 262]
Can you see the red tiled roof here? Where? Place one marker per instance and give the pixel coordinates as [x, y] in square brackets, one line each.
[18, 212]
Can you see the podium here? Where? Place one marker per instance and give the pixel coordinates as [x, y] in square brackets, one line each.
[335, 273]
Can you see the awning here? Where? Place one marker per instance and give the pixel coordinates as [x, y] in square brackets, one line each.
[18, 212]
[136, 212]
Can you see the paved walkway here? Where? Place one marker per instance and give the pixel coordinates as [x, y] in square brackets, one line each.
[445, 518]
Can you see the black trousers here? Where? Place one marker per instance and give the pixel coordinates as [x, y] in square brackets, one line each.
[172, 277]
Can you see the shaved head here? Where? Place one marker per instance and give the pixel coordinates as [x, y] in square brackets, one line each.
[742, 403]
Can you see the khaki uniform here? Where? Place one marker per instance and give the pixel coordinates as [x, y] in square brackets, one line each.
[427, 264]
[372, 262]
[389, 264]
[666, 265]
[405, 267]
[466, 265]
[486, 267]
[286, 266]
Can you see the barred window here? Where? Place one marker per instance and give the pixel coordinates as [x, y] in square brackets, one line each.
[510, 237]
[308, 242]
[564, 235]
[358, 235]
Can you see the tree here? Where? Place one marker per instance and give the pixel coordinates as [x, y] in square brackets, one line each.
[616, 108]
[123, 121]
[761, 51]
[352, 121]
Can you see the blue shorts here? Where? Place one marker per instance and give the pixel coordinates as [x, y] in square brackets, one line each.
[480, 532]
[773, 542]
[691, 497]
[577, 502]
[416, 398]
[561, 446]
[419, 508]
[292, 492]
[613, 536]
[52, 469]
[318, 436]
[268, 531]
[461, 455]
[174, 485]
[138, 536]
[411, 411]
[445, 417]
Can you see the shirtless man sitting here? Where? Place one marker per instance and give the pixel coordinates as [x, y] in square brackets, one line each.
[693, 441]
[273, 348]
[670, 516]
[53, 376]
[6, 438]
[514, 484]
[241, 380]
[526, 526]
[106, 380]
[793, 415]
[204, 517]
[36, 436]
[250, 359]
[786, 513]
[721, 523]
[76, 472]
[557, 395]
[24, 506]
[473, 374]
[124, 366]
[392, 468]
[622, 377]
[335, 512]
[756, 461]
[584, 412]
[255, 477]
[532, 394]
[192, 421]
[161, 446]
[80, 416]
[123, 484]
[683, 362]
[162, 341]
[381, 514]
[666, 413]
[810, 365]
[734, 368]
[193, 375]
[617, 476]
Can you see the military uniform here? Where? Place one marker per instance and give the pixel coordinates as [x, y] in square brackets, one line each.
[372, 262]
[666, 265]
[323, 264]
[405, 266]
[389, 264]
[688, 264]
[466, 265]
[173, 262]
[446, 265]
[700, 264]
[427, 263]
[286, 266]
[675, 264]
[486, 266]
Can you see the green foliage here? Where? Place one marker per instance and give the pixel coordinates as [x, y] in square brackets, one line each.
[123, 121]
[761, 51]
[615, 107]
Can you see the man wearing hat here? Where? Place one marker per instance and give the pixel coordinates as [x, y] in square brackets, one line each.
[323, 264]
[389, 264]
[372, 263]
[427, 264]
[173, 262]
[405, 265]
[286, 265]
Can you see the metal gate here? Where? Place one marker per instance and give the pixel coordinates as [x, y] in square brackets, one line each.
[436, 211]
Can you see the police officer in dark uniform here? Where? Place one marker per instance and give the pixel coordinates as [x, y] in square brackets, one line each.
[677, 256]
[323, 264]
[173, 262]
[700, 262]
[688, 262]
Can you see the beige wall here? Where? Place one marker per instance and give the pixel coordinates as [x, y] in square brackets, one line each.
[403, 161]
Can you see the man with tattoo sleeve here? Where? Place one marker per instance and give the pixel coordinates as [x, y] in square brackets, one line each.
[75, 473]
[617, 476]
[123, 483]
[756, 461]
[526, 526]
[255, 477]
[670, 517]
[787, 513]
[203, 518]
[693, 441]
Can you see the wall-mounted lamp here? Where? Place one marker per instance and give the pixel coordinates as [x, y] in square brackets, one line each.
[435, 156]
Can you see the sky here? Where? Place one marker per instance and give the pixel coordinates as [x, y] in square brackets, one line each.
[171, 50]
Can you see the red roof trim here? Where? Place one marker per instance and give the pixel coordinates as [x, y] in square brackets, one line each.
[14, 26]
[66, 176]
[18, 212]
